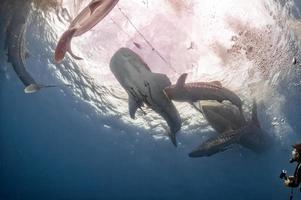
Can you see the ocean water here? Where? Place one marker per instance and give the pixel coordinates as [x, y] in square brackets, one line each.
[79, 142]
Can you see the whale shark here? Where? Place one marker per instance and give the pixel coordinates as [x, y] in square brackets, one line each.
[91, 15]
[16, 48]
[196, 91]
[222, 117]
[232, 128]
[145, 88]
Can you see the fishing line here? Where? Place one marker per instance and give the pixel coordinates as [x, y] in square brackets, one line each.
[126, 33]
[118, 26]
[32, 88]
[147, 42]
[57, 86]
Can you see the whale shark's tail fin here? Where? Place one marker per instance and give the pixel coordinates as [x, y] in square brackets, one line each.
[33, 88]
[255, 139]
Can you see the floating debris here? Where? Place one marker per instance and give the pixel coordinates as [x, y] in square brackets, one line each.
[294, 61]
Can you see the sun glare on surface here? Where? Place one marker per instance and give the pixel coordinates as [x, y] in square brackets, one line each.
[183, 36]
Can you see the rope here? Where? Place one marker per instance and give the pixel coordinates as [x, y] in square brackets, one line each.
[147, 42]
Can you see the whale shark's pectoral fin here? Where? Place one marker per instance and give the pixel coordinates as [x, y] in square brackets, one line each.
[94, 5]
[181, 81]
[217, 83]
[217, 144]
[133, 106]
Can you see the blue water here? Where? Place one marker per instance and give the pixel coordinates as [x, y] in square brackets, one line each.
[51, 149]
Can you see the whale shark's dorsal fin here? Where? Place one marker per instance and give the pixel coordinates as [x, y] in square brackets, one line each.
[254, 114]
[217, 83]
[133, 106]
[181, 81]
[94, 5]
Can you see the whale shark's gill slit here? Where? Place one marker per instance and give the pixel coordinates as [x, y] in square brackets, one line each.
[147, 41]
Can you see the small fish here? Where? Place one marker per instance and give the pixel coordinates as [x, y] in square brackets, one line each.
[294, 61]
[137, 45]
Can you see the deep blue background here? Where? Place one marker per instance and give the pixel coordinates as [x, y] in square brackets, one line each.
[49, 149]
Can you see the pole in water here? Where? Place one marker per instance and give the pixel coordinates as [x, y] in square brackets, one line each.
[32, 88]
[147, 42]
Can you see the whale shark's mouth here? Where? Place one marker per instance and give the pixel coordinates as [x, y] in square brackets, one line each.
[233, 41]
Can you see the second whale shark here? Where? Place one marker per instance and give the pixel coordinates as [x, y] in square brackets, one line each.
[232, 128]
[197, 91]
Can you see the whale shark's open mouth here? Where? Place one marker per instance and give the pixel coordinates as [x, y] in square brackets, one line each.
[247, 45]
